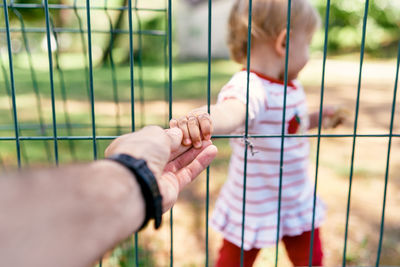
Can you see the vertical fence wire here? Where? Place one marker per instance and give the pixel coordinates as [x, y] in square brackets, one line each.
[140, 67]
[113, 70]
[14, 104]
[166, 81]
[171, 220]
[132, 91]
[51, 76]
[388, 159]
[35, 85]
[84, 49]
[246, 131]
[9, 96]
[289, 9]
[321, 106]
[364, 29]
[60, 72]
[89, 35]
[208, 111]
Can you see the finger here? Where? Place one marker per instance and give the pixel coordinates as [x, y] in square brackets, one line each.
[192, 170]
[173, 123]
[194, 131]
[185, 157]
[175, 135]
[182, 124]
[205, 126]
[179, 151]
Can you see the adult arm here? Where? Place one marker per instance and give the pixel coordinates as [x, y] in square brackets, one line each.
[70, 216]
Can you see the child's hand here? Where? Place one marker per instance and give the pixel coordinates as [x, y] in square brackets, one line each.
[334, 116]
[197, 125]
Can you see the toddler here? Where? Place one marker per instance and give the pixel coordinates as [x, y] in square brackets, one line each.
[266, 95]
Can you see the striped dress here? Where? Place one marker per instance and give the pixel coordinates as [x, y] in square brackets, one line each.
[262, 186]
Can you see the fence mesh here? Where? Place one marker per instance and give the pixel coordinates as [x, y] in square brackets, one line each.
[46, 120]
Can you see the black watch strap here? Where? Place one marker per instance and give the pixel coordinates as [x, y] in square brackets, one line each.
[148, 185]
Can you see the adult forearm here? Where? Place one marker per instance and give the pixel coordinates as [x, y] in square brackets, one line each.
[68, 217]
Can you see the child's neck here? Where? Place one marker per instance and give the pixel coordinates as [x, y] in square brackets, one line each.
[266, 62]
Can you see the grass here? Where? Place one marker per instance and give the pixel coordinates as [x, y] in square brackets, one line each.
[190, 90]
[190, 83]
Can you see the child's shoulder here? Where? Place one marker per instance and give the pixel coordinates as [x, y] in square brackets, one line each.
[239, 79]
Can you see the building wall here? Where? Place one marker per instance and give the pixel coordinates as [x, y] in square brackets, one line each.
[192, 29]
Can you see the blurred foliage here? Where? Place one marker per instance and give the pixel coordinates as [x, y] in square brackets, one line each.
[346, 21]
[345, 27]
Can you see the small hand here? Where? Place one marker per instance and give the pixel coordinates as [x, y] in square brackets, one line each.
[195, 126]
[334, 116]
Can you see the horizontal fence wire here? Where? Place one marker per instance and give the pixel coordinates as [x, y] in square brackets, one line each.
[53, 54]
[38, 138]
[66, 30]
[58, 6]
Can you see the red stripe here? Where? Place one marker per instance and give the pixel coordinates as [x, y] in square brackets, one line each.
[263, 228]
[273, 198]
[256, 214]
[289, 91]
[271, 162]
[228, 98]
[227, 87]
[287, 106]
[271, 79]
[269, 149]
[270, 187]
[271, 122]
[268, 176]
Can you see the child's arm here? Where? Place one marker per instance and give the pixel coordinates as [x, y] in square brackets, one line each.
[224, 118]
[331, 117]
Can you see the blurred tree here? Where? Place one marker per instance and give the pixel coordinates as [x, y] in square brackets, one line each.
[345, 27]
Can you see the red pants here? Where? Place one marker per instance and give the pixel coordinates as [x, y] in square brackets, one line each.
[297, 248]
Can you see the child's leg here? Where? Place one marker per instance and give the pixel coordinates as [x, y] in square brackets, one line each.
[229, 256]
[298, 248]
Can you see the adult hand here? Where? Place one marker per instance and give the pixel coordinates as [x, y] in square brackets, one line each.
[173, 165]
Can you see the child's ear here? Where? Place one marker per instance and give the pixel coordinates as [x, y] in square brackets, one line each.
[280, 43]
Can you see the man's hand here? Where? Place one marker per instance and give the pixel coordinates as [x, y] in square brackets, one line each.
[173, 165]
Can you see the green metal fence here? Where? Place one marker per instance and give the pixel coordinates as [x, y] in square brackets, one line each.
[50, 136]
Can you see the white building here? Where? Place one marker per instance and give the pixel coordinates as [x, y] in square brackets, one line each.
[191, 18]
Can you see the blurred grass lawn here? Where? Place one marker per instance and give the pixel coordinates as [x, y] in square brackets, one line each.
[189, 90]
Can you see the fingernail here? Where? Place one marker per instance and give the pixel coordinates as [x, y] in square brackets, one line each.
[186, 141]
[207, 137]
[197, 144]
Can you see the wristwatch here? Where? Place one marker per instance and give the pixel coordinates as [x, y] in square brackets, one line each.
[148, 185]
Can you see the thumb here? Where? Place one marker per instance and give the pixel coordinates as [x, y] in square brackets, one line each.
[175, 135]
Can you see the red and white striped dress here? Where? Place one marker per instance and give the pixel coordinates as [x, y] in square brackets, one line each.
[262, 188]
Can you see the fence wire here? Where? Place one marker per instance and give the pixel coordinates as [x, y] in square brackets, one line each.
[72, 133]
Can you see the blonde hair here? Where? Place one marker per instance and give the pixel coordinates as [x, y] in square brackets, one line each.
[268, 20]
